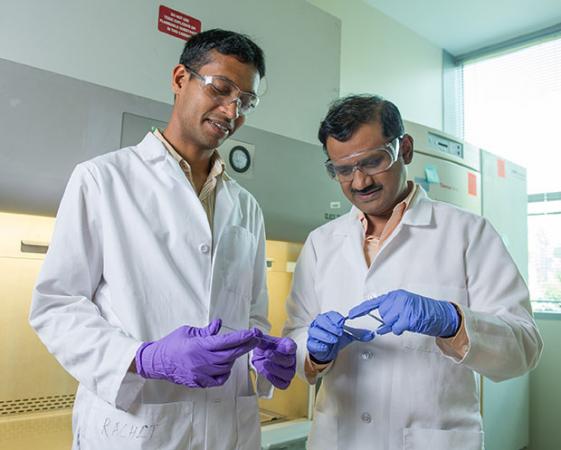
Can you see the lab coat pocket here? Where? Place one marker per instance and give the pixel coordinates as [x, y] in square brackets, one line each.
[424, 438]
[232, 282]
[144, 427]
[323, 434]
[237, 253]
[249, 429]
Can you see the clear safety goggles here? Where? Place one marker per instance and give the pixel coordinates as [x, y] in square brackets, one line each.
[372, 161]
[224, 91]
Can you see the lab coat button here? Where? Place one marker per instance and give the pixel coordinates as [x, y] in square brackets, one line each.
[366, 355]
[366, 418]
[204, 248]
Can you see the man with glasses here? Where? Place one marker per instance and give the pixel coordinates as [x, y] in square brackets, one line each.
[153, 293]
[450, 300]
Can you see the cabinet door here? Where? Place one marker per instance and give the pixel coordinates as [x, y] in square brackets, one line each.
[16, 229]
[291, 403]
[506, 405]
[31, 377]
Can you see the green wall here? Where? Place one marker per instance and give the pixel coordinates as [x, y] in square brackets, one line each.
[545, 387]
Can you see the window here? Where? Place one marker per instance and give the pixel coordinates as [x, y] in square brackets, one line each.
[512, 107]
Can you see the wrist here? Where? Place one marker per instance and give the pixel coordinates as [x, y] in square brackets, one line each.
[316, 360]
[142, 358]
[455, 322]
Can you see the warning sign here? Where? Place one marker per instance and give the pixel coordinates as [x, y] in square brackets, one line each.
[177, 24]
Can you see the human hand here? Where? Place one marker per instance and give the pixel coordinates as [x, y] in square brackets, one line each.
[195, 357]
[275, 359]
[327, 335]
[405, 311]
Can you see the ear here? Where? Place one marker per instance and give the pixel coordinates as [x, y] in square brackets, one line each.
[179, 76]
[406, 146]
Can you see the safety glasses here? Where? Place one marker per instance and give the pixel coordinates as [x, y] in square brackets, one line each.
[224, 91]
[369, 162]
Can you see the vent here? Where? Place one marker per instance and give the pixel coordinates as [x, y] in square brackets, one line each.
[37, 404]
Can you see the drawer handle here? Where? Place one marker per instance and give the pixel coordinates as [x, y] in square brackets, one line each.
[34, 247]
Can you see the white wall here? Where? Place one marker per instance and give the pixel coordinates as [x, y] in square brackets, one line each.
[117, 44]
[380, 56]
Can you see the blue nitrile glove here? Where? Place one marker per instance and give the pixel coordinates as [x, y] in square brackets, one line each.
[404, 311]
[275, 359]
[326, 336]
[195, 357]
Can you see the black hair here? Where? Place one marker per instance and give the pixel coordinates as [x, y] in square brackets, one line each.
[196, 52]
[347, 114]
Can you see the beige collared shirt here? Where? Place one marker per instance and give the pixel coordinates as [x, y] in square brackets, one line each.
[207, 196]
[457, 344]
[373, 243]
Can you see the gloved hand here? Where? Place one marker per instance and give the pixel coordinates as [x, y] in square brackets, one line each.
[404, 311]
[326, 336]
[194, 357]
[275, 359]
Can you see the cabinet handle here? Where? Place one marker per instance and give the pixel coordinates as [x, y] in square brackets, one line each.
[34, 247]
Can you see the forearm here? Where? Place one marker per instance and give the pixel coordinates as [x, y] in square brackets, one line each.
[500, 346]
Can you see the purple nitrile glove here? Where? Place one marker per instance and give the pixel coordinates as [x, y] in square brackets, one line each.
[275, 359]
[194, 357]
[328, 334]
[405, 311]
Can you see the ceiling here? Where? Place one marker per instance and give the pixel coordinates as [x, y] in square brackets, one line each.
[461, 27]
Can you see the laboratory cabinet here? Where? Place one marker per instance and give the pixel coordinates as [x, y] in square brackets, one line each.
[37, 394]
[506, 405]
[479, 181]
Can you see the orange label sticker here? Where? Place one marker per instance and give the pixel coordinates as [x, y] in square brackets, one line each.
[472, 184]
[501, 168]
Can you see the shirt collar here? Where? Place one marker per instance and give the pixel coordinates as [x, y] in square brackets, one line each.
[403, 205]
[216, 162]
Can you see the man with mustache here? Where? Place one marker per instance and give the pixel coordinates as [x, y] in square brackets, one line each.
[153, 291]
[451, 300]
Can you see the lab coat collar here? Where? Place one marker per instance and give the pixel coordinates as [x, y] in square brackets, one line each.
[418, 214]
[151, 148]
[153, 151]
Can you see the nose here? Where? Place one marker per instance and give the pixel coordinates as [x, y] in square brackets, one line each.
[232, 108]
[360, 180]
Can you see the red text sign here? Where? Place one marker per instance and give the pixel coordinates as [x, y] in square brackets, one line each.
[177, 24]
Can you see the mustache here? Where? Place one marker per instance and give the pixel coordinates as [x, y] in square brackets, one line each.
[367, 189]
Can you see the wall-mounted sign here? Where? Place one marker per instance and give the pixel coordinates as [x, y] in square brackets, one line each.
[177, 23]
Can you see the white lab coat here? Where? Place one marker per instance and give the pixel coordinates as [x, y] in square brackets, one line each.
[408, 392]
[131, 259]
